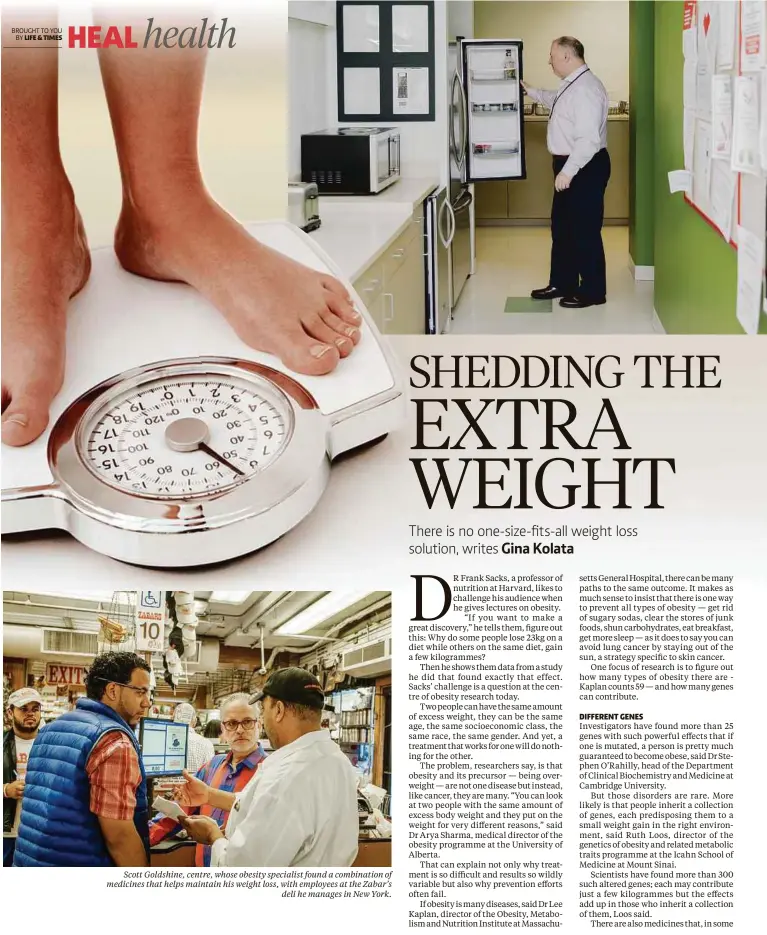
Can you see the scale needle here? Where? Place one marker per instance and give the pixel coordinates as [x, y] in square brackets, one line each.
[214, 454]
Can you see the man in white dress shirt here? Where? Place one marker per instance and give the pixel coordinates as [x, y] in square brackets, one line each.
[300, 808]
[577, 139]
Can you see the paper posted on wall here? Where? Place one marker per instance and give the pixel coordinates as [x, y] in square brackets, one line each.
[750, 272]
[745, 134]
[727, 14]
[722, 117]
[679, 181]
[410, 90]
[752, 28]
[763, 124]
[723, 184]
[701, 176]
[689, 138]
[689, 32]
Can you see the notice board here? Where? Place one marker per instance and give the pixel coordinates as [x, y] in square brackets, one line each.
[723, 88]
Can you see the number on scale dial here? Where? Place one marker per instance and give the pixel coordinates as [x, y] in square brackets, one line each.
[186, 437]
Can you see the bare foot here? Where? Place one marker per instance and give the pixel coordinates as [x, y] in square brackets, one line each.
[45, 262]
[273, 303]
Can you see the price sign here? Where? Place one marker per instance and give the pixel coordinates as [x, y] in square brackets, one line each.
[150, 621]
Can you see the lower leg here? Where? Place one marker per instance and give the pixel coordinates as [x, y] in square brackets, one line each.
[45, 255]
[590, 249]
[563, 274]
[170, 228]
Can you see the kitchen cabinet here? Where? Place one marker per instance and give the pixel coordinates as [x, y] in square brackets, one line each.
[528, 201]
[322, 12]
[393, 288]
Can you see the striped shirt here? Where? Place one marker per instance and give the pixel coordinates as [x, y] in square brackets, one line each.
[114, 774]
[220, 774]
[199, 751]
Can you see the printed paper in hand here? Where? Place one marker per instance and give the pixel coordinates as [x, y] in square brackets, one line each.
[171, 809]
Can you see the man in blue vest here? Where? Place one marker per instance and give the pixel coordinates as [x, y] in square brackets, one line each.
[85, 797]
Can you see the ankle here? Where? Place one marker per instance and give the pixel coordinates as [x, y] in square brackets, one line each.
[40, 196]
[160, 199]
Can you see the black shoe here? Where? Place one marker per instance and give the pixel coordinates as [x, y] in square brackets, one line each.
[550, 292]
[574, 302]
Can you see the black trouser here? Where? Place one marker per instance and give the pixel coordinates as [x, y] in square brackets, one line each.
[577, 253]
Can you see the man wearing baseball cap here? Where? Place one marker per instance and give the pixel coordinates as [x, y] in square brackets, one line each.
[25, 706]
[300, 809]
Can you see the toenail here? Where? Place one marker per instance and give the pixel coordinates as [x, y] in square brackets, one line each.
[17, 419]
[352, 332]
[341, 342]
[356, 316]
[319, 350]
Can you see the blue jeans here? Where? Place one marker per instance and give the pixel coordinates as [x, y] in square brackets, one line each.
[9, 846]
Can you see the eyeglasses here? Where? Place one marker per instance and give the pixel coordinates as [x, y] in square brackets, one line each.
[247, 724]
[141, 692]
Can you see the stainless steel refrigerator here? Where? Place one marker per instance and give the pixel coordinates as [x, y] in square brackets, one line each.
[485, 133]
[438, 235]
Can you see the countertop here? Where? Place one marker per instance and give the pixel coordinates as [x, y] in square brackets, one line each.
[357, 229]
[612, 118]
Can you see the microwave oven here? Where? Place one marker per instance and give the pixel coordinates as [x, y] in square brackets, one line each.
[351, 160]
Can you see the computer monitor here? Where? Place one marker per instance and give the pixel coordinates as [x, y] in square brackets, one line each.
[163, 746]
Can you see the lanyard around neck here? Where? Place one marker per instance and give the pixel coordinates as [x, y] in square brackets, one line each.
[565, 89]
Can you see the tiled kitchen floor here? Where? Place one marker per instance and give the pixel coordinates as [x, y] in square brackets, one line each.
[513, 260]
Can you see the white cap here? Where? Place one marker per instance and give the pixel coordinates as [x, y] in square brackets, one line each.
[23, 696]
[184, 713]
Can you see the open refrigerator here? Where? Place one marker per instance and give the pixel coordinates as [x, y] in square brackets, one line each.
[485, 142]
[494, 138]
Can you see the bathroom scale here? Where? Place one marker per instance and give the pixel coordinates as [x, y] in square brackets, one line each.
[172, 443]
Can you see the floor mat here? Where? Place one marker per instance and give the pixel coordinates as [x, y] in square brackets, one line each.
[524, 303]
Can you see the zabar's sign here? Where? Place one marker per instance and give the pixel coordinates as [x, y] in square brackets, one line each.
[64, 675]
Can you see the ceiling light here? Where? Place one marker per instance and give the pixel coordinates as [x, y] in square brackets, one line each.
[320, 610]
[230, 597]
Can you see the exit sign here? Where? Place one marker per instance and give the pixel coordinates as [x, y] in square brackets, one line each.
[64, 675]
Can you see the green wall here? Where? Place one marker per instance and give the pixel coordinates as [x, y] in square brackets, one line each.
[695, 269]
[641, 131]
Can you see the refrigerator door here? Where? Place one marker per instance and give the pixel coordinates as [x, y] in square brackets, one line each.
[437, 263]
[457, 129]
[461, 244]
[495, 148]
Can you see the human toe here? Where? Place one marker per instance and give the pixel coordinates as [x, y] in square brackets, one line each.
[26, 415]
[303, 353]
[345, 336]
[343, 308]
[315, 325]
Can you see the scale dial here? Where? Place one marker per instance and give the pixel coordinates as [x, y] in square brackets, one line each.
[185, 435]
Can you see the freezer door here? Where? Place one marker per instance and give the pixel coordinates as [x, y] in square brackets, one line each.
[461, 245]
[492, 70]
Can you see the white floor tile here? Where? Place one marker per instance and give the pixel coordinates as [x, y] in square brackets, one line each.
[511, 261]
